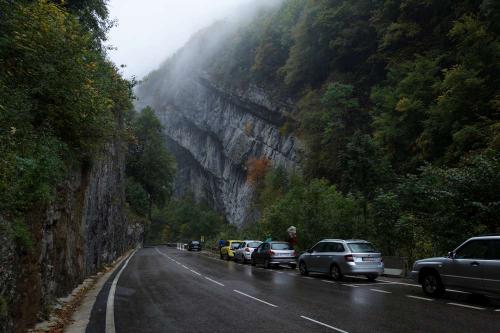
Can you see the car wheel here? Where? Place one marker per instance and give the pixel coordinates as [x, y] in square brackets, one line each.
[303, 268]
[267, 265]
[293, 266]
[335, 273]
[371, 277]
[432, 285]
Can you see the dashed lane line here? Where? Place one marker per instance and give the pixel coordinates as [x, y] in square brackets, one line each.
[497, 310]
[467, 306]
[323, 324]
[195, 272]
[328, 281]
[110, 311]
[255, 298]
[371, 284]
[216, 282]
[420, 298]
[381, 291]
[185, 267]
[418, 286]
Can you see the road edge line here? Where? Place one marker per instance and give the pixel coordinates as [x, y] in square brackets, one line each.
[110, 314]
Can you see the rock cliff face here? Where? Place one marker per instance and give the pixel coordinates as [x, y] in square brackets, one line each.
[85, 228]
[213, 130]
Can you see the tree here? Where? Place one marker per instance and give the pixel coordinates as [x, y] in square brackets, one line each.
[148, 162]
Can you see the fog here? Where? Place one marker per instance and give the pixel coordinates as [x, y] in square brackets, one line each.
[149, 31]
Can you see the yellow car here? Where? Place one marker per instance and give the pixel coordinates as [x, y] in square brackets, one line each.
[227, 251]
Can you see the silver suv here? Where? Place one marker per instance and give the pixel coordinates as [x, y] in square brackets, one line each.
[337, 257]
[474, 266]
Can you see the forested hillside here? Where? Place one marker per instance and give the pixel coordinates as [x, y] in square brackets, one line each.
[398, 104]
[399, 108]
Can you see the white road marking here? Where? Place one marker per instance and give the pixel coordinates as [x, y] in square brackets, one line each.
[349, 285]
[323, 324]
[255, 298]
[467, 306]
[458, 291]
[402, 283]
[328, 281]
[209, 279]
[418, 286]
[279, 272]
[195, 272]
[292, 274]
[185, 267]
[381, 291]
[497, 310]
[421, 298]
[308, 277]
[371, 284]
[110, 311]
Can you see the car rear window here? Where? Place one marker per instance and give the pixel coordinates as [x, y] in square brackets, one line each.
[235, 245]
[280, 246]
[361, 247]
[195, 242]
[253, 244]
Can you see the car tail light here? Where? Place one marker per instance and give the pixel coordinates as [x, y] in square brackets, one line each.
[349, 258]
[271, 253]
[247, 249]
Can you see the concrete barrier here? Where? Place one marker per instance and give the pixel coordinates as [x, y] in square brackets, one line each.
[395, 266]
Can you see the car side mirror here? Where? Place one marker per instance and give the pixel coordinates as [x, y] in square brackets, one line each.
[309, 251]
[451, 254]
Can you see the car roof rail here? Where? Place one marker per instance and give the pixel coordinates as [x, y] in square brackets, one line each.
[488, 235]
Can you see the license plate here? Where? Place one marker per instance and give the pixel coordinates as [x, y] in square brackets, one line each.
[369, 259]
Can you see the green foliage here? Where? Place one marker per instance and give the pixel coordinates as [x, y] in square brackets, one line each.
[60, 101]
[21, 235]
[399, 108]
[318, 211]
[150, 167]
[442, 205]
[4, 307]
[137, 197]
[49, 61]
[184, 220]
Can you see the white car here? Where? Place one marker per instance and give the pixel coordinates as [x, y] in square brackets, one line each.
[244, 251]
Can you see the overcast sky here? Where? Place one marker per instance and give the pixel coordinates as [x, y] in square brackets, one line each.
[149, 31]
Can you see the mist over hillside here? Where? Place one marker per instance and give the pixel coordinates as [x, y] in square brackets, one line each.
[375, 98]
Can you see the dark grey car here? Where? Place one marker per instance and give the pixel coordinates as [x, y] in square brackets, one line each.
[474, 266]
[338, 257]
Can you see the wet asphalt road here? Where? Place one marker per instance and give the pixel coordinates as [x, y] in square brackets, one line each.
[168, 290]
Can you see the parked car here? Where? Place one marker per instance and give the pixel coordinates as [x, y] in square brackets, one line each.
[337, 257]
[273, 254]
[194, 246]
[474, 266]
[244, 252]
[227, 251]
